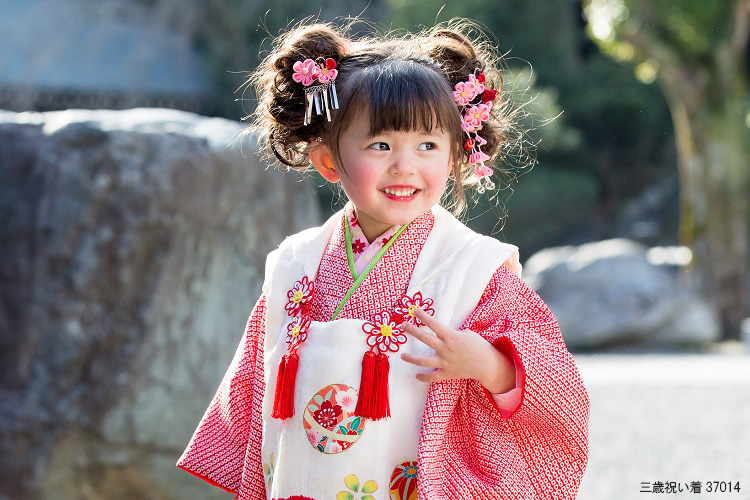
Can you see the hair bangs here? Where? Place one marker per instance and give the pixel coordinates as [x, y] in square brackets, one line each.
[405, 96]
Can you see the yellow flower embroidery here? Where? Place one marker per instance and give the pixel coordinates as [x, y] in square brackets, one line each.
[352, 483]
[268, 470]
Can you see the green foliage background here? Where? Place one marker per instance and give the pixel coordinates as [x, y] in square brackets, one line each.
[611, 138]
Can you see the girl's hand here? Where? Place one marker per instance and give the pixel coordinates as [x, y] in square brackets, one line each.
[459, 354]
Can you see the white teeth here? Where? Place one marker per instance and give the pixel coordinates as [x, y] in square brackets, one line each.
[400, 192]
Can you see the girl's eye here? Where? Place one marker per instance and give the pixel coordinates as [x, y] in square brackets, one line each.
[431, 146]
[377, 146]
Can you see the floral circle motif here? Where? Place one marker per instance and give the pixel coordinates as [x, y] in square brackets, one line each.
[403, 485]
[383, 333]
[329, 421]
[405, 310]
[299, 297]
[296, 330]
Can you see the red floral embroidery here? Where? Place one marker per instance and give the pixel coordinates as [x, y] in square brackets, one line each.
[296, 331]
[384, 241]
[405, 310]
[353, 220]
[358, 246]
[383, 333]
[327, 414]
[299, 297]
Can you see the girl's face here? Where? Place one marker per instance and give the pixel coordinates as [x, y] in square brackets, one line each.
[393, 177]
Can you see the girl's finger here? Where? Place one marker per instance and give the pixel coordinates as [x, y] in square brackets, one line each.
[427, 361]
[423, 336]
[433, 324]
[434, 376]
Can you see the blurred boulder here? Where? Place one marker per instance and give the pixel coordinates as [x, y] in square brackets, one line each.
[133, 249]
[607, 293]
[58, 54]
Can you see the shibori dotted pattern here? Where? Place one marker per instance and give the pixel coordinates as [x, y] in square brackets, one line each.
[403, 485]
[333, 279]
[329, 420]
[221, 449]
[530, 453]
[382, 289]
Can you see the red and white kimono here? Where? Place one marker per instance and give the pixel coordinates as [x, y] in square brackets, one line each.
[451, 439]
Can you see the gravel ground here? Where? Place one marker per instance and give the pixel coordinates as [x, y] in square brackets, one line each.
[679, 418]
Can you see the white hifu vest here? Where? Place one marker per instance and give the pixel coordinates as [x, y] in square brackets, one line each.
[303, 457]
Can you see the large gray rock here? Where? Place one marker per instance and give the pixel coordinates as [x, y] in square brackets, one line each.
[133, 247]
[607, 292]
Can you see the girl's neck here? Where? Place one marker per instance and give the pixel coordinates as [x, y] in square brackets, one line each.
[371, 228]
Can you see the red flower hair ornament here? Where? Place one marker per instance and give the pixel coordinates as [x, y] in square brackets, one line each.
[323, 95]
[476, 103]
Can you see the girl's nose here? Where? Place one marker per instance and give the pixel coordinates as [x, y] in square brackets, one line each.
[403, 163]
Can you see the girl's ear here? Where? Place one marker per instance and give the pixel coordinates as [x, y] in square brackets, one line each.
[321, 157]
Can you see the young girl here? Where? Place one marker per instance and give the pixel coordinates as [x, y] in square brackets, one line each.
[393, 353]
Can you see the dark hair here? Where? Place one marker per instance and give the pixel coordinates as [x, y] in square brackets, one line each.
[405, 82]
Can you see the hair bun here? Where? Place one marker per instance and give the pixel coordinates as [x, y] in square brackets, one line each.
[281, 100]
[454, 51]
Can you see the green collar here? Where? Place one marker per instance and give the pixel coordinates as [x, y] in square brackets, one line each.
[350, 258]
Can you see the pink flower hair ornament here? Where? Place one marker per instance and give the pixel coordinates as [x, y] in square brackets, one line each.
[323, 96]
[474, 112]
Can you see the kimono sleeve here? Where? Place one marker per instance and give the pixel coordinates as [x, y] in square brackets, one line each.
[225, 448]
[537, 451]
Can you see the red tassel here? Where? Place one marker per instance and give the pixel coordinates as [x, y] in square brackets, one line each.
[366, 399]
[382, 407]
[279, 388]
[290, 380]
[283, 401]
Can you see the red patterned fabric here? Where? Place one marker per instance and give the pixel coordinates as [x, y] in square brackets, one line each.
[225, 448]
[468, 448]
[383, 287]
[540, 451]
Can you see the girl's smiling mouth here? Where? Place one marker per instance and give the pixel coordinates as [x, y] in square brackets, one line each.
[400, 191]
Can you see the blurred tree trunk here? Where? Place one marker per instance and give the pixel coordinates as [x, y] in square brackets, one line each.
[713, 160]
[708, 97]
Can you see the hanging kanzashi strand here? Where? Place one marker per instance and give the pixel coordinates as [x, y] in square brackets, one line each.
[476, 103]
